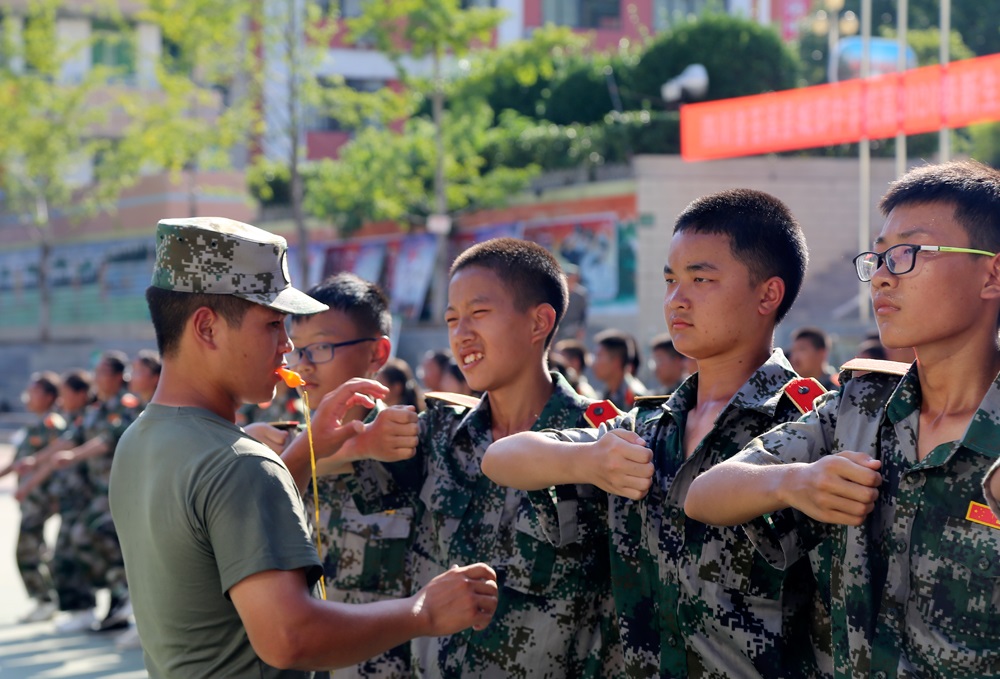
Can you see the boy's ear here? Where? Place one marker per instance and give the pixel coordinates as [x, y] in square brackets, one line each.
[381, 350]
[543, 319]
[772, 294]
[204, 325]
[991, 289]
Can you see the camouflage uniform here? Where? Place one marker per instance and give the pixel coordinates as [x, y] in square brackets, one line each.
[554, 617]
[915, 590]
[626, 393]
[88, 554]
[364, 560]
[692, 599]
[284, 408]
[32, 554]
[72, 492]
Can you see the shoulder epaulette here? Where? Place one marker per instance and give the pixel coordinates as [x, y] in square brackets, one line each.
[874, 365]
[651, 400]
[55, 421]
[802, 391]
[600, 412]
[453, 399]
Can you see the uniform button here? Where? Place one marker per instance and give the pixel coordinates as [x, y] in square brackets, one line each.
[900, 546]
[880, 675]
[672, 641]
[984, 563]
[675, 512]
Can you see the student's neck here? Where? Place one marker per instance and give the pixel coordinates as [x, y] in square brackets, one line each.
[515, 407]
[954, 376]
[719, 378]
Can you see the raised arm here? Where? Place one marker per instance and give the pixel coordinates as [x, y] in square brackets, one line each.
[289, 629]
[618, 462]
[839, 489]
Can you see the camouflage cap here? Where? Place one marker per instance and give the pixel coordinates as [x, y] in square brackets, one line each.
[219, 256]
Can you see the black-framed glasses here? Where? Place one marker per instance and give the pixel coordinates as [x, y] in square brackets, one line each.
[321, 352]
[900, 259]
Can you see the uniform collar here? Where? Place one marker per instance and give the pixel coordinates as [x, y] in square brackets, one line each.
[761, 392]
[984, 429]
[561, 411]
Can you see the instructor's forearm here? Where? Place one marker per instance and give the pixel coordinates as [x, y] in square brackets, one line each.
[733, 493]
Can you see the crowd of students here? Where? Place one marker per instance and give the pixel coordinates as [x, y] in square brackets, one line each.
[763, 517]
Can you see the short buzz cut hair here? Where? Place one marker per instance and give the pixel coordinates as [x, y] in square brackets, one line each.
[763, 235]
[116, 360]
[530, 273]
[48, 382]
[815, 336]
[150, 359]
[78, 380]
[362, 301]
[619, 344]
[170, 311]
[972, 187]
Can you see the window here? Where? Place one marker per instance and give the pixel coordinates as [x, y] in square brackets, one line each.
[667, 13]
[583, 13]
[112, 47]
[350, 8]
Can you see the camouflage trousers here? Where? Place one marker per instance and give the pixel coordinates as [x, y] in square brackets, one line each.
[33, 555]
[88, 556]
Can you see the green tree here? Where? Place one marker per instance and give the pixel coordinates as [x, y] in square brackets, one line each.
[519, 76]
[53, 122]
[383, 174]
[741, 57]
[426, 29]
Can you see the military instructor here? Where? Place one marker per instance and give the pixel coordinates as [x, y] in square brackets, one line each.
[216, 544]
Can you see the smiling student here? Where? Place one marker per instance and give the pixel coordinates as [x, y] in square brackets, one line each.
[881, 486]
[505, 300]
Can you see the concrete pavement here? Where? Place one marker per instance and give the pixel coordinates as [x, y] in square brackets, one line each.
[37, 650]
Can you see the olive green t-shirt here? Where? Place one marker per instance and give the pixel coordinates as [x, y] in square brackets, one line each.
[199, 506]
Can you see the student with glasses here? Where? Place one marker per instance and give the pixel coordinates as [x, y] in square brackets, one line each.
[881, 487]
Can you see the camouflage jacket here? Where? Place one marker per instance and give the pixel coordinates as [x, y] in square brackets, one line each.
[626, 393]
[31, 440]
[554, 617]
[364, 555]
[37, 435]
[693, 599]
[108, 420]
[915, 590]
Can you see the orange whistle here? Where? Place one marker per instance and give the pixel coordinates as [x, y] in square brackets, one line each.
[291, 378]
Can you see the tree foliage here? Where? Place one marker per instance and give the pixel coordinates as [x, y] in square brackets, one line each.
[741, 57]
[383, 174]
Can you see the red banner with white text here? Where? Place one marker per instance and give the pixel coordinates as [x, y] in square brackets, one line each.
[916, 101]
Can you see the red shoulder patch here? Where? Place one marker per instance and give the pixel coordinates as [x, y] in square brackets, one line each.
[130, 400]
[600, 412]
[803, 391]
